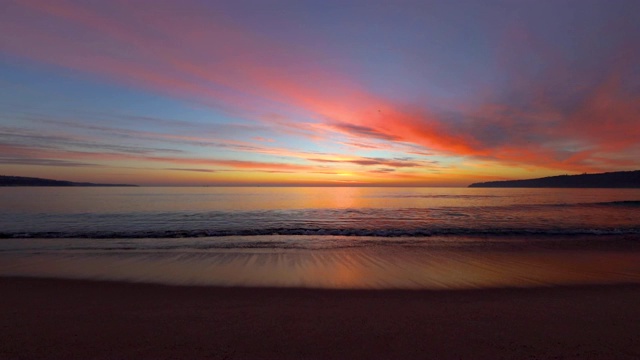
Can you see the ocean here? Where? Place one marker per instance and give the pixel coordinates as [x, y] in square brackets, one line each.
[323, 237]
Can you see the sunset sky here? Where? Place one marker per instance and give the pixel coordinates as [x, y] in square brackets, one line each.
[433, 93]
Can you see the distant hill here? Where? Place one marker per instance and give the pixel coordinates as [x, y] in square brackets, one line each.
[620, 179]
[29, 181]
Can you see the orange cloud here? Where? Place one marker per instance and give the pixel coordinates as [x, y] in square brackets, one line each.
[194, 54]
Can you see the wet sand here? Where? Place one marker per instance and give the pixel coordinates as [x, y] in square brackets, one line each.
[397, 263]
[73, 319]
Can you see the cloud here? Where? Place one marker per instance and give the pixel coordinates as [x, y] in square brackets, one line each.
[362, 131]
[50, 156]
[548, 109]
[43, 162]
[396, 163]
[193, 170]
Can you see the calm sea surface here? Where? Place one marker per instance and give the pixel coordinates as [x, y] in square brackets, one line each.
[323, 237]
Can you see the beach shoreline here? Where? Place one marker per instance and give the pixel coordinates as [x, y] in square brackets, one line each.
[435, 263]
[88, 319]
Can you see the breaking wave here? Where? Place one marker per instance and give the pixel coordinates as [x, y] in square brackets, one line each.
[353, 232]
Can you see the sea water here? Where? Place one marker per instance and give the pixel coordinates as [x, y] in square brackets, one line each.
[355, 237]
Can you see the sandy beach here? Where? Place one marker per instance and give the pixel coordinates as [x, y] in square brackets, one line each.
[72, 319]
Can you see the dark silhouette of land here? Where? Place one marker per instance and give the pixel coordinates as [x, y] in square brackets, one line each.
[29, 181]
[619, 179]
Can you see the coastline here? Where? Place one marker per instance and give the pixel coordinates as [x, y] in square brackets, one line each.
[86, 319]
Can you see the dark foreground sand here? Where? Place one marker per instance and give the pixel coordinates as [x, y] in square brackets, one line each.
[66, 319]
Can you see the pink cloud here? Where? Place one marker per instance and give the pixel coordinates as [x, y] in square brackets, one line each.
[194, 54]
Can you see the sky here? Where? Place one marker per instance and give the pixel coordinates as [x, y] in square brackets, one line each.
[334, 93]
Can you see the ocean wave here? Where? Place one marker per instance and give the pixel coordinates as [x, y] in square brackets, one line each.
[630, 203]
[383, 233]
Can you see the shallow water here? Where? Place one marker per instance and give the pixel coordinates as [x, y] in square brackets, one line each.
[422, 264]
